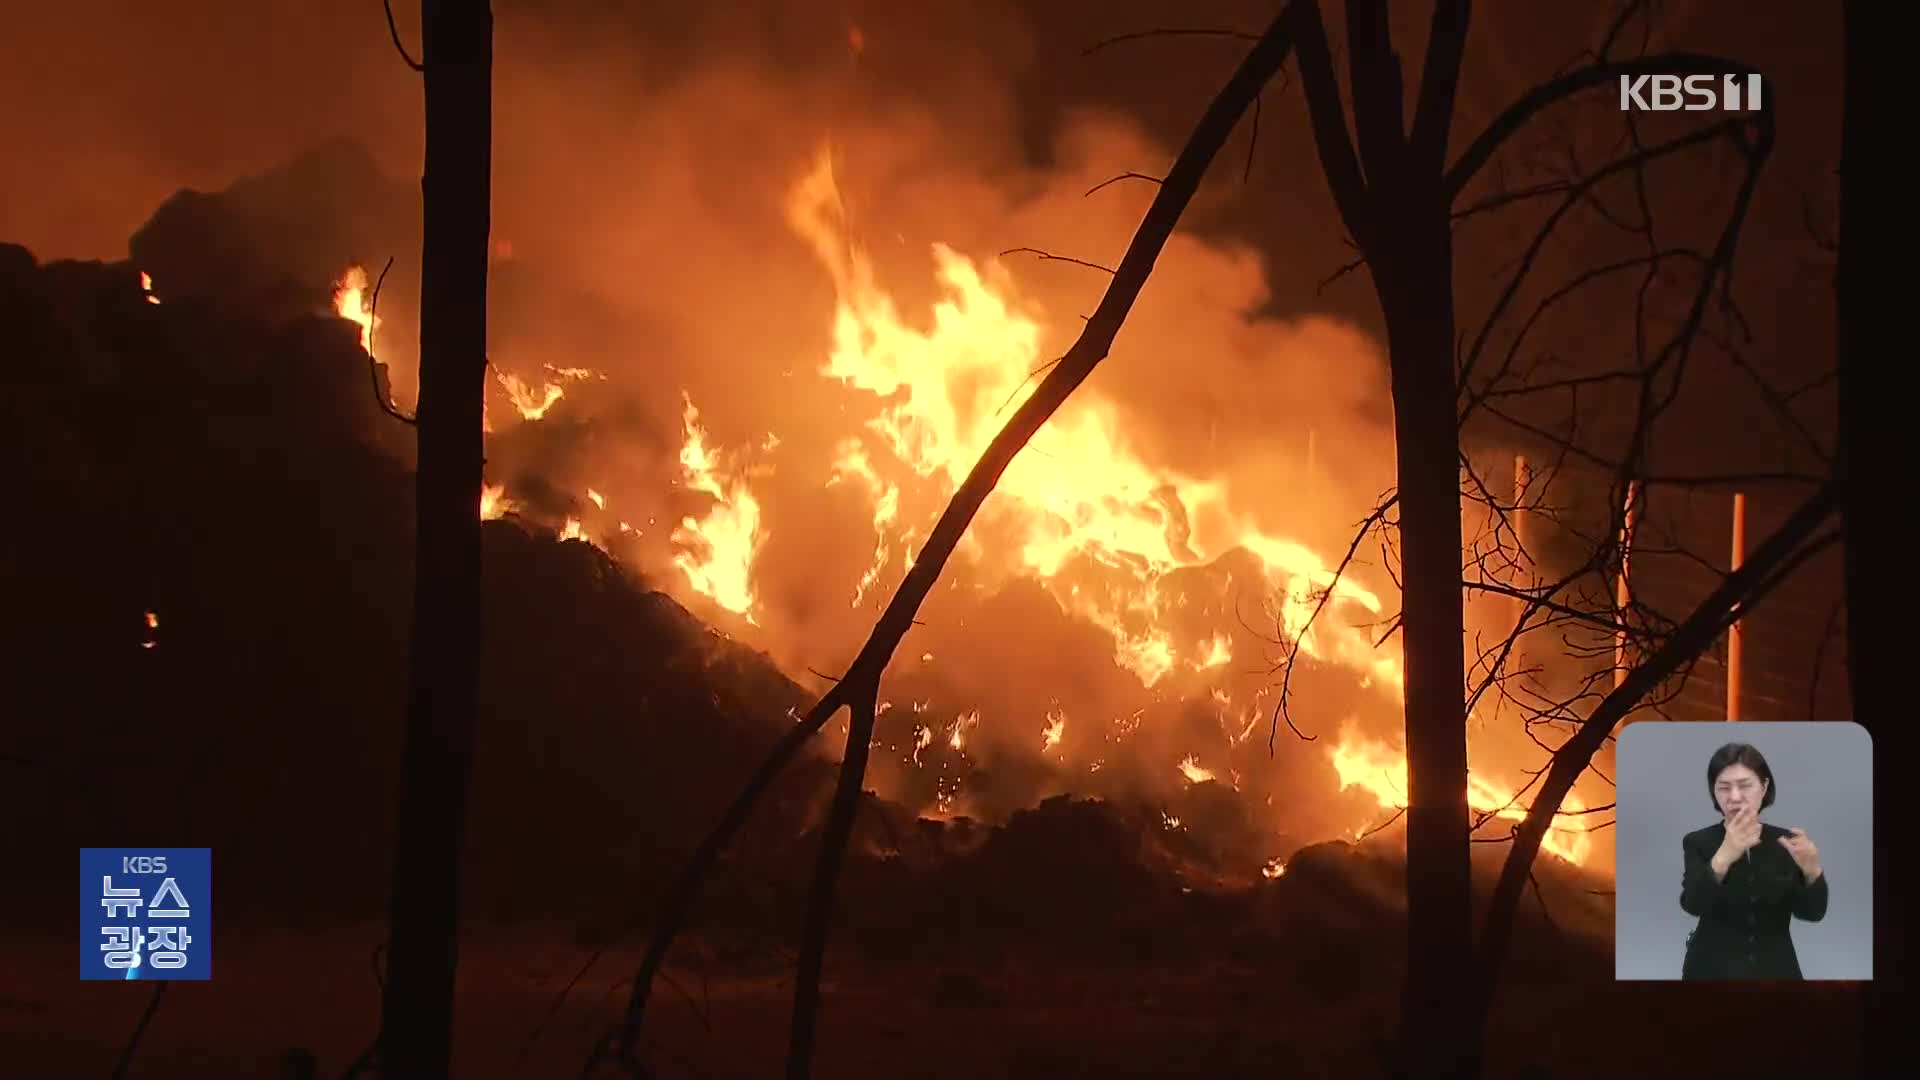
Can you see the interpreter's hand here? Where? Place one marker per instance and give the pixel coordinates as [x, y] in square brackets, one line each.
[1743, 832]
[1805, 855]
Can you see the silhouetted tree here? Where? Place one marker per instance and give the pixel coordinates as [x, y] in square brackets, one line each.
[1873, 396]
[416, 1021]
[1397, 194]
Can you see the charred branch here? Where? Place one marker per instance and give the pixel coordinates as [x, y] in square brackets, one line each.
[382, 391]
[393, 30]
[1111, 180]
[1048, 256]
[1167, 32]
[122, 1067]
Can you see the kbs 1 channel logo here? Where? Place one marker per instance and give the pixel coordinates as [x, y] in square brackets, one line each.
[146, 913]
[1690, 93]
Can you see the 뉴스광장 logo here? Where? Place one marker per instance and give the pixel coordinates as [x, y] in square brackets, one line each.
[146, 913]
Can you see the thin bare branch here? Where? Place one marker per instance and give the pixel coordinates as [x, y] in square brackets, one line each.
[1141, 35]
[121, 1067]
[1048, 256]
[394, 30]
[1326, 594]
[381, 392]
[1111, 180]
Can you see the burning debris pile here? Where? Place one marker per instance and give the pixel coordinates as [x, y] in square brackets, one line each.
[1111, 631]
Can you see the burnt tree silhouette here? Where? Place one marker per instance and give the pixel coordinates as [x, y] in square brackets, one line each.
[858, 689]
[1393, 199]
[1396, 195]
[1872, 397]
[416, 1021]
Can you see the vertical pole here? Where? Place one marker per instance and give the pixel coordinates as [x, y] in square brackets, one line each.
[1739, 555]
[1622, 592]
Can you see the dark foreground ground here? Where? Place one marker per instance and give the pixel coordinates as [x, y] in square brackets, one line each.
[958, 1017]
[934, 977]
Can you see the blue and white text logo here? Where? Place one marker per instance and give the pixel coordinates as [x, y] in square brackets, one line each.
[146, 913]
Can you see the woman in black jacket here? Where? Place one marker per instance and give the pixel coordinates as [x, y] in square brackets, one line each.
[1747, 881]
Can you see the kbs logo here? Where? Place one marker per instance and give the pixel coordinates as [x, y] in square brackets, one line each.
[1691, 93]
[146, 913]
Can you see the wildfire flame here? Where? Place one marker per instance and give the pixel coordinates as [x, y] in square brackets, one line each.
[146, 286]
[1090, 519]
[1055, 730]
[1100, 527]
[532, 404]
[353, 302]
[718, 548]
[1191, 769]
[1381, 771]
[494, 502]
[1087, 503]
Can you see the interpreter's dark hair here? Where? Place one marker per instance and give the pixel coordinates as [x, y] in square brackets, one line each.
[1739, 753]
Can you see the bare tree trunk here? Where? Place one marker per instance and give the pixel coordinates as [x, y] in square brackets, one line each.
[1416, 289]
[417, 1012]
[1389, 181]
[1871, 395]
